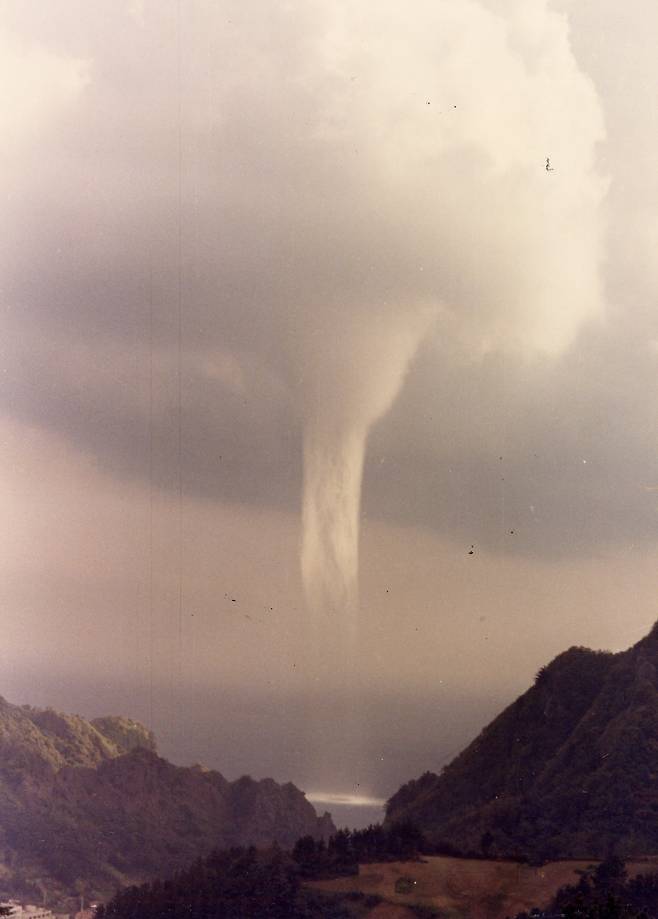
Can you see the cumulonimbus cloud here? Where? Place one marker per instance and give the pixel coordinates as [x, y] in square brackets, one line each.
[435, 165]
[332, 181]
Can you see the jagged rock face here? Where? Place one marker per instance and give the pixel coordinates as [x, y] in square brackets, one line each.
[569, 769]
[93, 800]
[125, 733]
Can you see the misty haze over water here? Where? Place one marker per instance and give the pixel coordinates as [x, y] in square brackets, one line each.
[237, 732]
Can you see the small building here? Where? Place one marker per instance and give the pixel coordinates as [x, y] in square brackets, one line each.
[36, 912]
[30, 911]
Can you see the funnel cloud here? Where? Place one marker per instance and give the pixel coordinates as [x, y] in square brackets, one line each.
[327, 185]
[430, 200]
[353, 382]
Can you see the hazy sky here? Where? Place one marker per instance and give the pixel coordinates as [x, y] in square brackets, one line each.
[225, 224]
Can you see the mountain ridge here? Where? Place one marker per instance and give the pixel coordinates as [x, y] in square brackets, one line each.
[93, 801]
[569, 769]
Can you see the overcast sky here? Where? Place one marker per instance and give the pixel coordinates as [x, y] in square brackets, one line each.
[222, 222]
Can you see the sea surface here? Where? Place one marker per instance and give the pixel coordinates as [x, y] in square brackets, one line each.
[348, 810]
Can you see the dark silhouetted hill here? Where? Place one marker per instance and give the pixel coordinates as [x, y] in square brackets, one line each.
[94, 801]
[569, 769]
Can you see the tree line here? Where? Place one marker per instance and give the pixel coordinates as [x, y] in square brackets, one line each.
[604, 893]
[346, 849]
[243, 882]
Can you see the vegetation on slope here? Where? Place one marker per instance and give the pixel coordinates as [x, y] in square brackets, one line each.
[569, 769]
[94, 801]
[604, 893]
[239, 882]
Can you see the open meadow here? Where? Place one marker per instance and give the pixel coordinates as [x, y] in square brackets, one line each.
[458, 888]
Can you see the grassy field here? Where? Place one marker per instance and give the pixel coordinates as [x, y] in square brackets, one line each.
[458, 888]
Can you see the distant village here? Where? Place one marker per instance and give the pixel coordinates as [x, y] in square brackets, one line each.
[16, 910]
